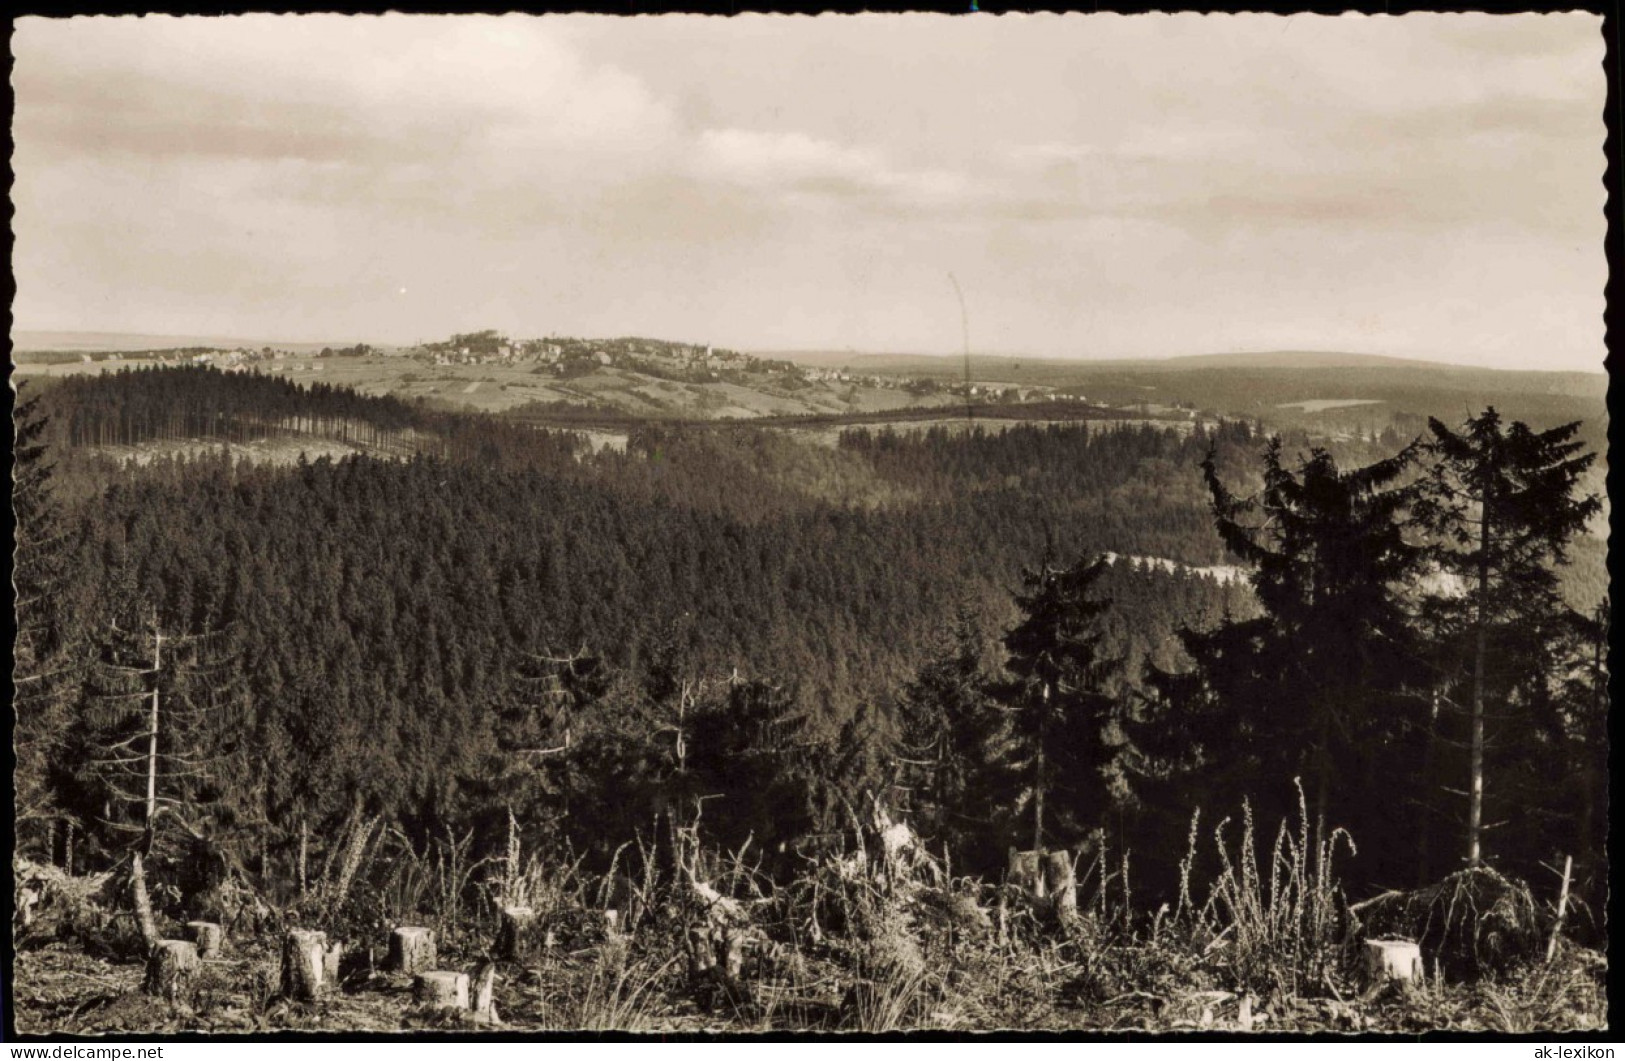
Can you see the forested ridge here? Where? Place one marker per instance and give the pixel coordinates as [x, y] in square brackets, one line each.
[380, 606]
[509, 621]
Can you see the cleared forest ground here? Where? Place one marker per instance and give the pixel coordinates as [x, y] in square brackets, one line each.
[874, 935]
[60, 990]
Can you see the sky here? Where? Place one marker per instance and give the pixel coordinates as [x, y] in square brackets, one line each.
[1099, 185]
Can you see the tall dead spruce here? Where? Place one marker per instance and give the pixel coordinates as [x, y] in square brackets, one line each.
[148, 754]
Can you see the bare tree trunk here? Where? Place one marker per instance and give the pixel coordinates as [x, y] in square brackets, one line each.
[1059, 873]
[1588, 774]
[1038, 804]
[152, 765]
[481, 985]
[1588, 795]
[143, 902]
[1475, 794]
[1423, 843]
[1038, 776]
[1323, 777]
[152, 738]
[138, 867]
[1562, 908]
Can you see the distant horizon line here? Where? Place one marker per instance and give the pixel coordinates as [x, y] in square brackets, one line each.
[68, 340]
[1215, 355]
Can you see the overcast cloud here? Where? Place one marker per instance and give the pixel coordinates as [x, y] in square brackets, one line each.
[1429, 185]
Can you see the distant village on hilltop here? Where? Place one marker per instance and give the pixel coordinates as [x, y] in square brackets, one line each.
[565, 357]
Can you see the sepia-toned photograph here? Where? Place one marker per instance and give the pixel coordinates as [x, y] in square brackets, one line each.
[777, 525]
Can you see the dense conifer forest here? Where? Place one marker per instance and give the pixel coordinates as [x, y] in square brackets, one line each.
[490, 631]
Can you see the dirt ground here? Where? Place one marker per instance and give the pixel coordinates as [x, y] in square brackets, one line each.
[60, 989]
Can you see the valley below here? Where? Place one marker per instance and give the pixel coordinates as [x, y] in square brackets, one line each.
[667, 689]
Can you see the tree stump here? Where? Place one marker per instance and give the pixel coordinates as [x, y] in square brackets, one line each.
[332, 958]
[411, 950]
[25, 900]
[731, 953]
[483, 983]
[1026, 872]
[716, 958]
[208, 936]
[143, 902]
[1060, 878]
[616, 942]
[441, 989]
[1392, 961]
[702, 955]
[171, 969]
[304, 965]
[521, 938]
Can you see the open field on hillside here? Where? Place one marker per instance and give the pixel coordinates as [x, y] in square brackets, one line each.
[1320, 405]
[499, 388]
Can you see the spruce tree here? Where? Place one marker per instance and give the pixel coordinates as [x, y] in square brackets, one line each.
[1066, 737]
[43, 652]
[953, 748]
[1504, 499]
[1322, 679]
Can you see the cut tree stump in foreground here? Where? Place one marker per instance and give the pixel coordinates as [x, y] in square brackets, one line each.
[716, 961]
[731, 953]
[1061, 880]
[1048, 878]
[171, 969]
[716, 948]
[305, 964]
[483, 982]
[1471, 923]
[1026, 872]
[411, 949]
[616, 940]
[442, 989]
[521, 937]
[1393, 961]
[702, 957]
[208, 936]
[331, 959]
